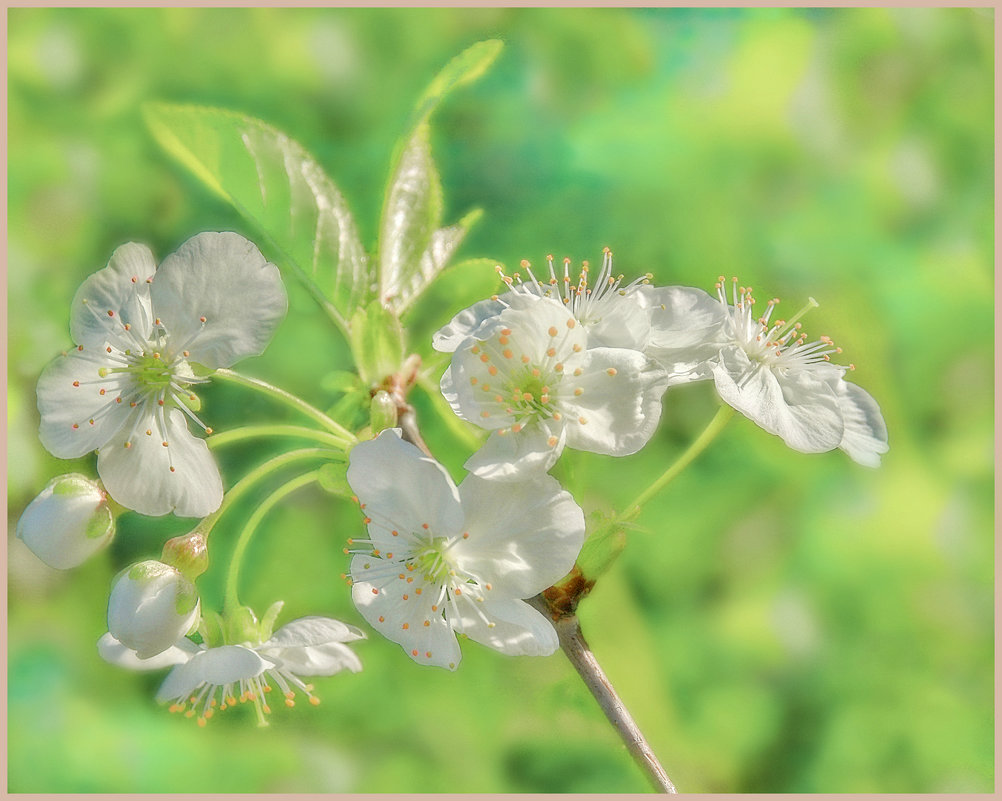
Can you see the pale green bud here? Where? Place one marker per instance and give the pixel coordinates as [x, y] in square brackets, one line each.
[151, 607]
[382, 412]
[67, 522]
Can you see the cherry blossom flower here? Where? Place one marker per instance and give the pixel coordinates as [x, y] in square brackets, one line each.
[204, 680]
[67, 522]
[768, 371]
[528, 375]
[442, 560]
[125, 390]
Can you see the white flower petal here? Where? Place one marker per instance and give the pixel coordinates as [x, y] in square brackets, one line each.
[406, 487]
[864, 436]
[111, 650]
[624, 322]
[614, 406]
[216, 666]
[113, 289]
[317, 660]
[140, 478]
[687, 324]
[523, 536]
[403, 620]
[511, 627]
[800, 408]
[224, 278]
[512, 457]
[463, 325]
[62, 405]
[313, 630]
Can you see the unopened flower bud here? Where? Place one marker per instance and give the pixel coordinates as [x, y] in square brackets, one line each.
[188, 553]
[67, 522]
[151, 607]
[382, 412]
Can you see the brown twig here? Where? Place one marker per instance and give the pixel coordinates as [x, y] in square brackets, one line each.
[574, 646]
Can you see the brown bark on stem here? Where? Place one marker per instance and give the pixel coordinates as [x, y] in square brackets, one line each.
[574, 646]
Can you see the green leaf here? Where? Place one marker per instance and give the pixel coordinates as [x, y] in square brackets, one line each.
[333, 478]
[280, 188]
[377, 342]
[411, 213]
[351, 409]
[340, 381]
[456, 288]
[413, 249]
[463, 69]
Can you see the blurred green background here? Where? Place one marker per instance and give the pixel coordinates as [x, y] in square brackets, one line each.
[784, 623]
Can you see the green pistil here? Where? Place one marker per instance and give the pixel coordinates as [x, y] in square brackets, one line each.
[152, 372]
[433, 563]
[531, 394]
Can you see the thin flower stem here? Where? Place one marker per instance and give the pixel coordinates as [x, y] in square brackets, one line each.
[289, 399]
[714, 427]
[263, 470]
[253, 432]
[575, 648]
[231, 601]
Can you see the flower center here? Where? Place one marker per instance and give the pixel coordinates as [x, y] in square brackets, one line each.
[530, 394]
[433, 561]
[151, 372]
[778, 344]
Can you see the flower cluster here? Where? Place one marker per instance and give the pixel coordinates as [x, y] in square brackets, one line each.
[551, 363]
[559, 363]
[764, 368]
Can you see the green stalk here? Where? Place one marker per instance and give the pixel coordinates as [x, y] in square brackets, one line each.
[714, 427]
[264, 469]
[252, 432]
[288, 399]
[231, 600]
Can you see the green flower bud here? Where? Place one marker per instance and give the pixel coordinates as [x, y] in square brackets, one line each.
[188, 553]
[382, 412]
[151, 607]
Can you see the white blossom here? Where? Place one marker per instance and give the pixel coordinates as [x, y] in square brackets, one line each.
[125, 390]
[529, 375]
[768, 370]
[442, 560]
[204, 680]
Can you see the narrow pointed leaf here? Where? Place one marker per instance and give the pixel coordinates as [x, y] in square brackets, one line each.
[413, 248]
[411, 215]
[463, 69]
